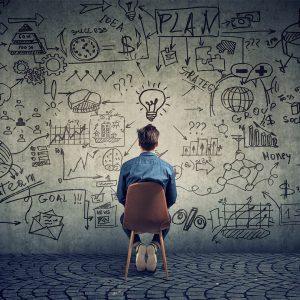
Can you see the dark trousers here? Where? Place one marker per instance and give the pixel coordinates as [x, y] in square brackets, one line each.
[137, 237]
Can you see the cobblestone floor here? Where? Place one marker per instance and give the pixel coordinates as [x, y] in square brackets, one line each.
[203, 276]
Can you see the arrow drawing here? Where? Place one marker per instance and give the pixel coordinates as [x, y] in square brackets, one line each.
[127, 152]
[89, 7]
[207, 166]
[195, 108]
[171, 44]
[19, 80]
[141, 7]
[38, 19]
[187, 60]
[39, 137]
[146, 38]
[184, 137]
[14, 222]
[161, 154]
[192, 88]
[62, 42]
[108, 101]
[139, 67]
[269, 31]
[129, 124]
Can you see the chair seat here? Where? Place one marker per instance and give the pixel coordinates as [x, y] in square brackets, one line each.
[146, 212]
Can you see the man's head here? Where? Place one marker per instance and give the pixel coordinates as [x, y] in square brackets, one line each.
[148, 137]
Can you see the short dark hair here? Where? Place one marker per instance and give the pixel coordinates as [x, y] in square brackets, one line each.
[148, 137]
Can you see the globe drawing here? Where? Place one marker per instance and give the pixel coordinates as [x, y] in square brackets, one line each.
[237, 99]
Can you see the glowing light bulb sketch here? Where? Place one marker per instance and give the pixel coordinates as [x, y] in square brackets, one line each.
[129, 8]
[153, 99]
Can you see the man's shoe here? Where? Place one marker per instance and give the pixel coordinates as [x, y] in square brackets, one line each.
[152, 258]
[140, 261]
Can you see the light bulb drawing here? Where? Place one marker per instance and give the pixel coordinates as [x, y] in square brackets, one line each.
[153, 99]
[129, 8]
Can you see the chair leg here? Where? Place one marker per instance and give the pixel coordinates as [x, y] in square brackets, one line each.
[163, 250]
[129, 253]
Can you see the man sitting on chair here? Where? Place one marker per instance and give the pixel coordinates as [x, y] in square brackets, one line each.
[147, 167]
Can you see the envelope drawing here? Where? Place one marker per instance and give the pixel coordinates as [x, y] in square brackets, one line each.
[47, 224]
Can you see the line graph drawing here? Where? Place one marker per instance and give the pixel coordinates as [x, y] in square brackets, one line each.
[70, 134]
[84, 166]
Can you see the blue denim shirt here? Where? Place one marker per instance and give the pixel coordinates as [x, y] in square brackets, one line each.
[147, 167]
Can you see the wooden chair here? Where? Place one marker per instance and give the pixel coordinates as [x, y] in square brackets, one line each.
[146, 212]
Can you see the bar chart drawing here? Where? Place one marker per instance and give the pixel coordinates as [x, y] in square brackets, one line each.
[203, 147]
[256, 136]
[241, 221]
[107, 130]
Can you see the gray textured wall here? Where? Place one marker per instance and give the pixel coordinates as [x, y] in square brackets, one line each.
[77, 80]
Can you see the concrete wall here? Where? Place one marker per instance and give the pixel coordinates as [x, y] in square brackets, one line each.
[76, 77]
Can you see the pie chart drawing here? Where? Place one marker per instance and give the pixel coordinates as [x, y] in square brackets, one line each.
[290, 39]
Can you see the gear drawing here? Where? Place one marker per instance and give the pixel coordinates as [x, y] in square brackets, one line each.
[54, 64]
[34, 76]
[21, 67]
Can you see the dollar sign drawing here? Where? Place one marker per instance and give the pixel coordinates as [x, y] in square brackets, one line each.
[287, 191]
[127, 48]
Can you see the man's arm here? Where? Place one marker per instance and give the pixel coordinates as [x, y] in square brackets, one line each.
[121, 190]
[171, 192]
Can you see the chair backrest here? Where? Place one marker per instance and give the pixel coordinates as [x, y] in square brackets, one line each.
[146, 208]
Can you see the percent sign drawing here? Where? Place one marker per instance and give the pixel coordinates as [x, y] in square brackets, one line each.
[181, 216]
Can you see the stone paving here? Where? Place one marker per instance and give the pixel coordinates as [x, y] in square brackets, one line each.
[195, 276]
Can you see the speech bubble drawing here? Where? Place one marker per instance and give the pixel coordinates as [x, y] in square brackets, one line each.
[261, 70]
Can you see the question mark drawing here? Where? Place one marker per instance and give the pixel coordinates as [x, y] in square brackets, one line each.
[130, 78]
[119, 87]
[192, 124]
[204, 126]
[122, 80]
[197, 125]
[251, 43]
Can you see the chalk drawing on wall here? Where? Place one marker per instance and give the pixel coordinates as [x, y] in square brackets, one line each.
[107, 130]
[241, 221]
[77, 81]
[182, 217]
[47, 224]
[153, 99]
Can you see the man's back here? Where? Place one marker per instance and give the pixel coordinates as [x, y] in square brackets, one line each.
[147, 167]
